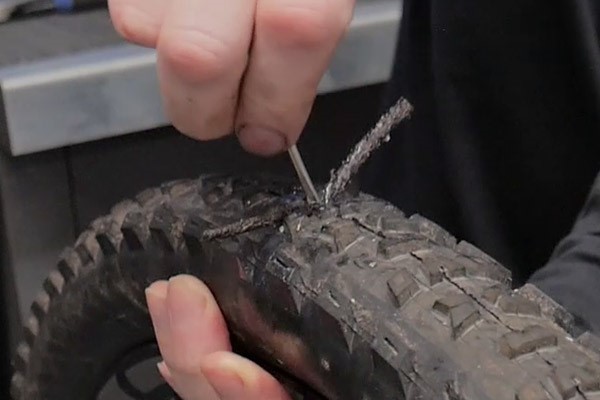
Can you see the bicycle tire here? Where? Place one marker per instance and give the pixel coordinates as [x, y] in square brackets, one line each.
[357, 301]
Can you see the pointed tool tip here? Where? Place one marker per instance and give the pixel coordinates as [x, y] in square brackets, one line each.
[307, 184]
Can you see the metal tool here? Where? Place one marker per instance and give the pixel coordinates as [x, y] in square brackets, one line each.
[309, 188]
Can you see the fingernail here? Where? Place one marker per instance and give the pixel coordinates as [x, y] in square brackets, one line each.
[156, 295]
[164, 371]
[157, 289]
[191, 287]
[187, 301]
[260, 141]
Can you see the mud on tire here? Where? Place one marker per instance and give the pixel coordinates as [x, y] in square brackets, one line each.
[356, 300]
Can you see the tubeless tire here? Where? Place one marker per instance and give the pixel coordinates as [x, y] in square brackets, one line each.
[356, 300]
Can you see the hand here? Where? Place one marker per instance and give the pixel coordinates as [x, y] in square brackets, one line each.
[194, 343]
[281, 49]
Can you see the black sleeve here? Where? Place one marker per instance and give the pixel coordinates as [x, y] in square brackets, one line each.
[572, 275]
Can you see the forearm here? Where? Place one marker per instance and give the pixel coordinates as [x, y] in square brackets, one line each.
[572, 275]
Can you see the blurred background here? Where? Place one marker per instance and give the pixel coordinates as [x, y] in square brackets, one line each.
[82, 127]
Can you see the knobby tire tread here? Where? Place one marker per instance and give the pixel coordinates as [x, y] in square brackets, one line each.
[357, 300]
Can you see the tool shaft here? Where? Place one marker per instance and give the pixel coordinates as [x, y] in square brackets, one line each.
[309, 188]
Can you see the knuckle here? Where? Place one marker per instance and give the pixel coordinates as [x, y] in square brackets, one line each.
[303, 25]
[195, 55]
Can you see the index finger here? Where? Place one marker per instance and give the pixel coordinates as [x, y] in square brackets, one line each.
[294, 41]
[202, 54]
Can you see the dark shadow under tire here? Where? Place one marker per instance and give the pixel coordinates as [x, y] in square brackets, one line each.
[356, 300]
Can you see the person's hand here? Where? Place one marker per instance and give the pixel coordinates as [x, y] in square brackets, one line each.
[281, 49]
[194, 343]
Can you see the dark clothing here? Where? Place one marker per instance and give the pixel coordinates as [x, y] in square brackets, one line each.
[572, 276]
[504, 143]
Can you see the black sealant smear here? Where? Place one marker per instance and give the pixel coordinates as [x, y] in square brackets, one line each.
[273, 216]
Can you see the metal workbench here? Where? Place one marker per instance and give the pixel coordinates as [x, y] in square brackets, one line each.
[81, 125]
[94, 81]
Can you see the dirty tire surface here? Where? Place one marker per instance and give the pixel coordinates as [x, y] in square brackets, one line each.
[357, 301]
